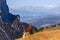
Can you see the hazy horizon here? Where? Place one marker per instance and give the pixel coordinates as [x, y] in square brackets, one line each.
[33, 3]
[36, 12]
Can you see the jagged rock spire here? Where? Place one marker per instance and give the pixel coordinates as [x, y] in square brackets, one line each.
[5, 14]
[3, 7]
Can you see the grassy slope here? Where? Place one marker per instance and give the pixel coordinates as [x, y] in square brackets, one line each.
[46, 35]
[51, 33]
[52, 28]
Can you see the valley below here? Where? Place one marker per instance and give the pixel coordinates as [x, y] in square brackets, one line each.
[38, 19]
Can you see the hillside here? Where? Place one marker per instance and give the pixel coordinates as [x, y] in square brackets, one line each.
[47, 35]
[51, 33]
[52, 27]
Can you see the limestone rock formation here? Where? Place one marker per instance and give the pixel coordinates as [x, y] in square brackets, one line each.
[10, 25]
[4, 12]
[4, 7]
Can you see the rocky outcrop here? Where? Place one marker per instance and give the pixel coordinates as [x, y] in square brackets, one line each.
[4, 12]
[14, 30]
[3, 7]
[11, 27]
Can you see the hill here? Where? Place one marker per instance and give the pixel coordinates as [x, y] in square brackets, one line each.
[51, 27]
[46, 35]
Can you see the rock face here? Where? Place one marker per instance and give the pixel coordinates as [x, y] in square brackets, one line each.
[10, 25]
[4, 7]
[4, 12]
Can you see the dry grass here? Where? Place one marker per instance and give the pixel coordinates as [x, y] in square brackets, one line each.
[52, 28]
[46, 35]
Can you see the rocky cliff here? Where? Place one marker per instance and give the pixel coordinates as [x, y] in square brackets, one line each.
[4, 7]
[4, 12]
[10, 25]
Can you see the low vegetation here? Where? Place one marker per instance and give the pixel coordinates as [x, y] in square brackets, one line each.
[51, 27]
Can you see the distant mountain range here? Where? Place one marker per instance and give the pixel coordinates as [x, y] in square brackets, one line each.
[38, 16]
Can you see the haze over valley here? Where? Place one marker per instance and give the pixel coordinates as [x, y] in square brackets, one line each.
[38, 16]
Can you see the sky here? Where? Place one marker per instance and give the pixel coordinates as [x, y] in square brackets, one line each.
[34, 3]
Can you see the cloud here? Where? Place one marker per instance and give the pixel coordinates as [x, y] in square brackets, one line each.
[50, 6]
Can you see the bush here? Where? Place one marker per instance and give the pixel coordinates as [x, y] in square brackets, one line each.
[41, 29]
[53, 25]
